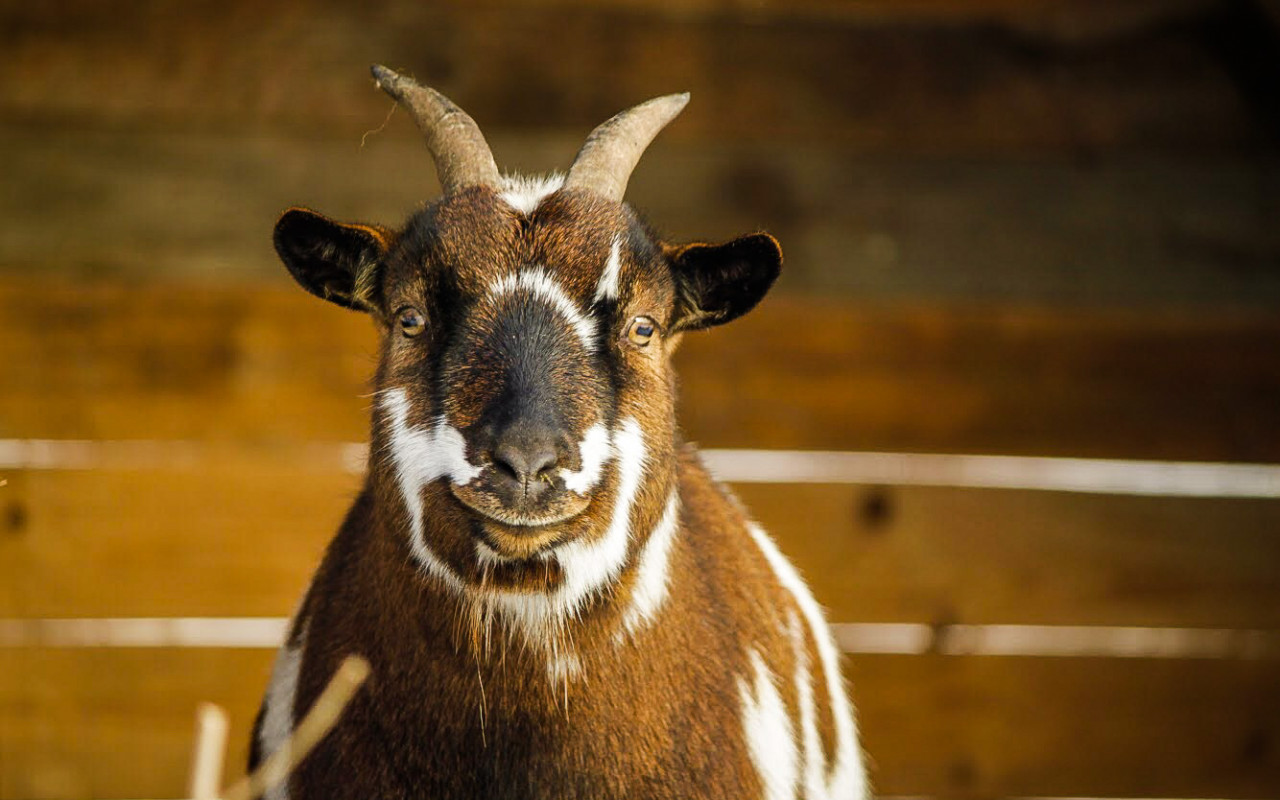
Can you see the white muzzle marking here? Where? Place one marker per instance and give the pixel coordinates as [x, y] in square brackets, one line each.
[424, 455]
[586, 566]
[421, 456]
[594, 451]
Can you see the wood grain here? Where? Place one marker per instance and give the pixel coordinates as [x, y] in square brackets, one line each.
[236, 537]
[118, 723]
[238, 534]
[1197, 387]
[993, 556]
[1132, 230]
[1007, 727]
[255, 364]
[168, 362]
[978, 181]
[881, 77]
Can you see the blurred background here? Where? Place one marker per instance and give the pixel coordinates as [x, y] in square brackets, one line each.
[1044, 230]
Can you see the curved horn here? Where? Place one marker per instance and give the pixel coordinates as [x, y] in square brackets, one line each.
[462, 155]
[605, 162]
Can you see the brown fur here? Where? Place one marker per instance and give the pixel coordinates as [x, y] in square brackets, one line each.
[652, 718]
[461, 703]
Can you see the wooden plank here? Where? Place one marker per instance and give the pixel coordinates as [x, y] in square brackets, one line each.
[1032, 77]
[266, 364]
[944, 555]
[1065, 15]
[237, 537]
[996, 381]
[117, 723]
[240, 536]
[161, 362]
[880, 11]
[1140, 231]
[1007, 727]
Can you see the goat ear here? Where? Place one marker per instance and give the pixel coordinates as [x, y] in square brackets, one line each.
[716, 283]
[332, 260]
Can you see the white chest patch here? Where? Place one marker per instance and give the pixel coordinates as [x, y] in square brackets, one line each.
[769, 733]
[277, 717]
[651, 586]
[541, 286]
[421, 456]
[815, 778]
[846, 778]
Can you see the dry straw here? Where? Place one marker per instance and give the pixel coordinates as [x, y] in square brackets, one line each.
[211, 739]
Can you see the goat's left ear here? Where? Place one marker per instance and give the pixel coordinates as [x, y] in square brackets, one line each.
[716, 283]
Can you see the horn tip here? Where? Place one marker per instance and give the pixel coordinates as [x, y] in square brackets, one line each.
[669, 106]
[677, 100]
[388, 80]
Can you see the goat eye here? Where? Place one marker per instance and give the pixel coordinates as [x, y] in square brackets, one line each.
[641, 331]
[412, 322]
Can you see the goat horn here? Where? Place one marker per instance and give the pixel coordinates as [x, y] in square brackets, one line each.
[605, 162]
[461, 154]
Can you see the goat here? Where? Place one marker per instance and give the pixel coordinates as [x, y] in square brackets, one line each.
[557, 599]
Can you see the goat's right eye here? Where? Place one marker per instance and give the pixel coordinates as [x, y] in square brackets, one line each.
[412, 322]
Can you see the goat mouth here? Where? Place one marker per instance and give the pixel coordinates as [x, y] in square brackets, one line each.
[530, 521]
[534, 522]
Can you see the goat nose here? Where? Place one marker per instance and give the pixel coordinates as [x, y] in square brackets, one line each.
[527, 460]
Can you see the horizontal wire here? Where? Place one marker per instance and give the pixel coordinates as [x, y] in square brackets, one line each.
[1061, 641]
[859, 638]
[1083, 475]
[1086, 475]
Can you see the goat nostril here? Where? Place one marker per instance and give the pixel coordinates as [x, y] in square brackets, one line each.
[504, 466]
[523, 465]
[542, 463]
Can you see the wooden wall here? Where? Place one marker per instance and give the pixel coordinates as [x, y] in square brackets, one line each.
[1035, 228]
[250, 388]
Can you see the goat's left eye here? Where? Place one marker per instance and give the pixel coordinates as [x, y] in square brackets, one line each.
[412, 322]
[641, 331]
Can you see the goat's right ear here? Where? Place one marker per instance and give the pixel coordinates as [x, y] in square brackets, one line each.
[719, 283]
[334, 261]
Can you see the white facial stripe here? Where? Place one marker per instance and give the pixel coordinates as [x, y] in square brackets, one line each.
[651, 575]
[590, 566]
[607, 286]
[587, 567]
[525, 194]
[542, 286]
[422, 456]
[769, 733]
[847, 777]
[594, 450]
[277, 716]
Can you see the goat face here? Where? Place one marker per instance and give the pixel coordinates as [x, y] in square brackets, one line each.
[525, 399]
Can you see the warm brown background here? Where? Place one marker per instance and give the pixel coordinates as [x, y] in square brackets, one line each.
[1037, 228]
